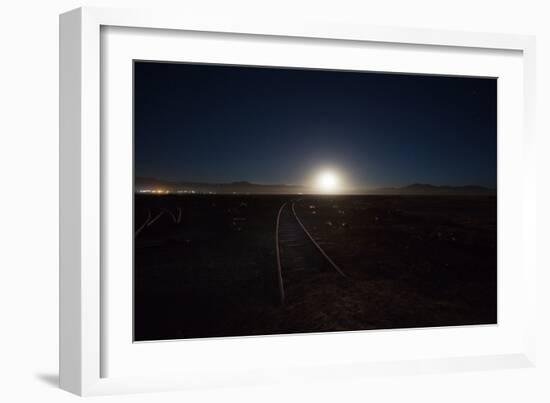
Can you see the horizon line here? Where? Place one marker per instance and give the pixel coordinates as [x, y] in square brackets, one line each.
[358, 188]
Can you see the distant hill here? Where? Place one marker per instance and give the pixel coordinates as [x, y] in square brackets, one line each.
[144, 183]
[427, 189]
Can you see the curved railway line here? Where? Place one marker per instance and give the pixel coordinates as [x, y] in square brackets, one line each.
[300, 258]
[298, 254]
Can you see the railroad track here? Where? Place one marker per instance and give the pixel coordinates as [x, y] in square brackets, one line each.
[299, 256]
[150, 220]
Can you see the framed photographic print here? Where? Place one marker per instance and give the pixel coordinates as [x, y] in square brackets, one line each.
[237, 198]
[276, 200]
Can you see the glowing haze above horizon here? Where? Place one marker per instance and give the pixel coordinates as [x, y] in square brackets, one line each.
[330, 130]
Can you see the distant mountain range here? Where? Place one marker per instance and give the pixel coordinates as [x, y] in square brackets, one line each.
[147, 184]
[422, 188]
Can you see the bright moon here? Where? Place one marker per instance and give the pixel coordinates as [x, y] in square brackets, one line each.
[327, 182]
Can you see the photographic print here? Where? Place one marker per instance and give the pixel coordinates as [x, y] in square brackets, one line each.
[272, 200]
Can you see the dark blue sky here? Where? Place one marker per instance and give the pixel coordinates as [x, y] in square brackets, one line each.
[212, 123]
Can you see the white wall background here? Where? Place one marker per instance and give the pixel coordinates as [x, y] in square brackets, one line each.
[29, 200]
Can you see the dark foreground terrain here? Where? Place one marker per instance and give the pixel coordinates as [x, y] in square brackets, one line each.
[206, 265]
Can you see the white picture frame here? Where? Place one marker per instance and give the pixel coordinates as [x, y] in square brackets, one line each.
[83, 307]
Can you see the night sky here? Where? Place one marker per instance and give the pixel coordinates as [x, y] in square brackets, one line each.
[217, 124]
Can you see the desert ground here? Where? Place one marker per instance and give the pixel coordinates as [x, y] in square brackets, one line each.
[219, 265]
